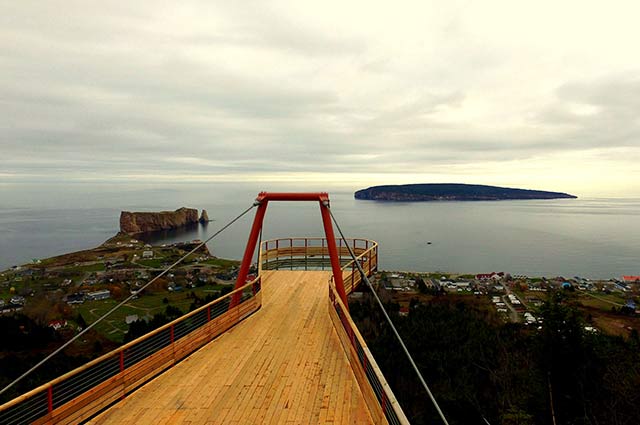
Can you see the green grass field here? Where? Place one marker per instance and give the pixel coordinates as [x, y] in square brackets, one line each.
[601, 301]
[155, 263]
[98, 267]
[221, 262]
[114, 326]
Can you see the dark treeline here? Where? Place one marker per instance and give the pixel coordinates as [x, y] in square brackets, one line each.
[23, 343]
[484, 371]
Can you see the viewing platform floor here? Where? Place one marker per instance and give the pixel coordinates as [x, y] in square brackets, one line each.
[284, 364]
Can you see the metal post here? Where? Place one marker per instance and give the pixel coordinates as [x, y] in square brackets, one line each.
[50, 399]
[333, 253]
[249, 250]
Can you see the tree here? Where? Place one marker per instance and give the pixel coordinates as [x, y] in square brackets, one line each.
[80, 321]
[422, 287]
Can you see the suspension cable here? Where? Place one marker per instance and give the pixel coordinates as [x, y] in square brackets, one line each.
[404, 347]
[129, 298]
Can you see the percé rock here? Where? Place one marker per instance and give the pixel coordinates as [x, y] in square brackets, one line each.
[452, 192]
[138, 222]
[204, 217]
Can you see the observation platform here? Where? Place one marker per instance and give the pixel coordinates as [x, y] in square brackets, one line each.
[283, 364]
[280, 348]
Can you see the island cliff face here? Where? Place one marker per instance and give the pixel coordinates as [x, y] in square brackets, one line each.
[138, 222]
[452, 192]
[204, 217]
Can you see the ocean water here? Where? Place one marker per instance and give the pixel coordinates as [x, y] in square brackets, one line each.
[596, 238]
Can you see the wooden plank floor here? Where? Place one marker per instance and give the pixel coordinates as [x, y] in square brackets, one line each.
[284, 364]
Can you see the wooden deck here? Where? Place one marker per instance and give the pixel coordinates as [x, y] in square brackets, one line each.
[284, 364]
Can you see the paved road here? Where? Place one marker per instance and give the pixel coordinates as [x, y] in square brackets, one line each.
[513, 314]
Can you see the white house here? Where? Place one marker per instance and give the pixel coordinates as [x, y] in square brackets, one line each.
[99, 295]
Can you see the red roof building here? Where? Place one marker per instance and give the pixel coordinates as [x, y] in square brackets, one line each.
[487, 276]
[57, 324]
[631, 279]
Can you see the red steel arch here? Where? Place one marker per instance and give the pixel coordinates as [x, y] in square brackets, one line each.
[323, 200]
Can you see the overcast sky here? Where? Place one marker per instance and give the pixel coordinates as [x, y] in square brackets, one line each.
[538, 94]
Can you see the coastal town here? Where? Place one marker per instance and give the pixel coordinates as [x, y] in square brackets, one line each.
[610, 306]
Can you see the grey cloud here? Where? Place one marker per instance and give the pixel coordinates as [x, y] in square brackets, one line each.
[104, 93]
[612, 120]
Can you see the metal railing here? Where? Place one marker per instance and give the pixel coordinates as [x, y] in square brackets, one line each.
[79, 394]
[298, 253]
[377, 393]
[305, 253]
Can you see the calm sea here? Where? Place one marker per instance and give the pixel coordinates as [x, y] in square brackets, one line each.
[597, 238]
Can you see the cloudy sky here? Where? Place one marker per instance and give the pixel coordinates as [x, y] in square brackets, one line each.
[533, 94]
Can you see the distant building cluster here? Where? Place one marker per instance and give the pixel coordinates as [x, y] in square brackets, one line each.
[515, 297]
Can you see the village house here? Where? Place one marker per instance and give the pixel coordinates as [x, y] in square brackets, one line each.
[490, 276]
[98, 295]
[463, 286]
[77, 298]
[17, 300]
[57, 324]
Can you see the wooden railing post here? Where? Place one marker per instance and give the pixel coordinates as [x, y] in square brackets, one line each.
[353, 276]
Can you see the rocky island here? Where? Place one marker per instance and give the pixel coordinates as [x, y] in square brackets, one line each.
[139, 222]
[452, 192]
[204, 217]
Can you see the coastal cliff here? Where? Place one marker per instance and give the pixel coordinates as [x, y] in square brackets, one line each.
[204, 217]
[452, 192]
[138, 222]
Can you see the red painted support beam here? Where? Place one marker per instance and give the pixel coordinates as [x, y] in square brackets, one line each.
[264, 198]
[333, 252]
[293, 196]
[250, 249]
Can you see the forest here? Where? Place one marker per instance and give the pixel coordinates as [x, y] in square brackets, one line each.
[484, 371]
